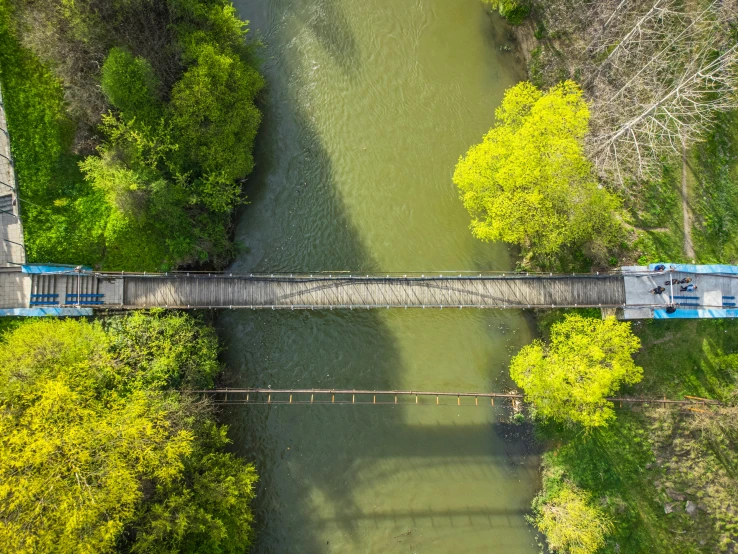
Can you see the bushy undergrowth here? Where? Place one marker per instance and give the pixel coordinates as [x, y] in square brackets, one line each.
[132, 125]
[514, 11]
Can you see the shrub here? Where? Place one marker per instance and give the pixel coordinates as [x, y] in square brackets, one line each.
[131, 85]
[565, 515]
[514, 11]
[215, 121]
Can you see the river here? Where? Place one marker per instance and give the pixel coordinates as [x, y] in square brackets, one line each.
[369, 105]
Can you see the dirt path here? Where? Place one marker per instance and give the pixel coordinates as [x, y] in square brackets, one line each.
[686, 214]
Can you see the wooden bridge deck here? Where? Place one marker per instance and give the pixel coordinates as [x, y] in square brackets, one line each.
[220, 291]
[49, 289]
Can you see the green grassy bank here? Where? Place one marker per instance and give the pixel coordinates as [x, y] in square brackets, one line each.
[646, 466]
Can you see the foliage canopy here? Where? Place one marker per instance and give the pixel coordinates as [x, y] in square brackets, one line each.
[565, 514]
[99, 454]
[133, 124]
[529, 183]
[130, 84]
[514, 11]
[586, 360]
[215, 121]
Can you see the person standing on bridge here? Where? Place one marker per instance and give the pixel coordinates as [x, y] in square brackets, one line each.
[657, 290]
[688, 288]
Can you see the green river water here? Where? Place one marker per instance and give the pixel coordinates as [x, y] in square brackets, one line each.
[369, 105]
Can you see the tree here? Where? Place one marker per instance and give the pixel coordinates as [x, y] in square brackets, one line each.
[571, 523]
[660, 79]
[570, 378]
[656, 75]
[529, 183]
[215, 120]
[99, 453]
[130, 84]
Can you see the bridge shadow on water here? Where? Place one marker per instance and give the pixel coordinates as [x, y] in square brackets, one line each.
[328, 472]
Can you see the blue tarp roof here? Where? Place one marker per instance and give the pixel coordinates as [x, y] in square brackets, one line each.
[50, 268]
[42, 312]
[692, 268]
[682, 313]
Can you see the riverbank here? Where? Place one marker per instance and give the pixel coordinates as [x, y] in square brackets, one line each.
[124, 160]
[104, 449]
[663, 477]
[549, 41]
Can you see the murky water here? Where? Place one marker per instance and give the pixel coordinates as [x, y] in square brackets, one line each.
[370, 104]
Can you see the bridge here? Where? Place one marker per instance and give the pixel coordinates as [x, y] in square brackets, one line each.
[37, 289]
[59, 290]
[297, 397]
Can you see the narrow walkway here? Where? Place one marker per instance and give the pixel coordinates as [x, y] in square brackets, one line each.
[12, 251]
[686, 213]
[365, 396]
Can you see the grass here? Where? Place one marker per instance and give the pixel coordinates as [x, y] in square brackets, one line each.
[714, 200]
[61, 214]
[656, 212]
[687, 357]
[615, 466]
[631, 467]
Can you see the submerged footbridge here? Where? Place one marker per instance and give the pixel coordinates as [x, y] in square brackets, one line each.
[58, 290]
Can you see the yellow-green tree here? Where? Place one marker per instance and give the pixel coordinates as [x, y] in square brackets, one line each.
[515, 11]
[529, 183]
[570, 378]
[571, 523]
[99, 454]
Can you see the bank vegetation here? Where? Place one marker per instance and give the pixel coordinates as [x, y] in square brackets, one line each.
[659, 80]
[103, 448]
[132, 124]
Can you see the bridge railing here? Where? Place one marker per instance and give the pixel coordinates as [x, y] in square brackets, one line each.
[365, 275]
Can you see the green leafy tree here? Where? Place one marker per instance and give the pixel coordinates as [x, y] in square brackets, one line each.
[131, 85]
[571, 523]
[570, 378]
[100, 455]
[215, 121]
[165, 351]
[529, 183]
